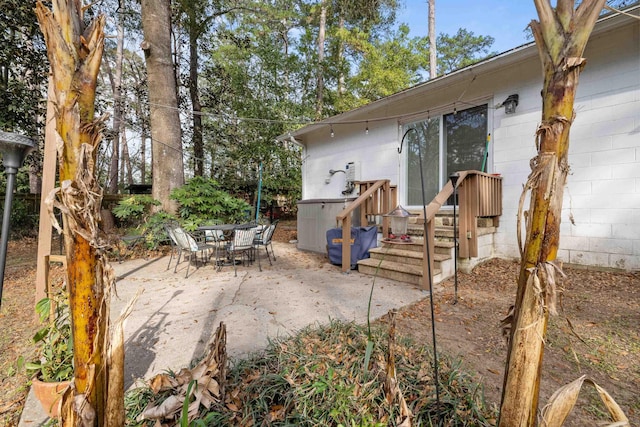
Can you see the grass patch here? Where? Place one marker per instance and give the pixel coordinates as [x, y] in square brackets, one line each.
[318, 378]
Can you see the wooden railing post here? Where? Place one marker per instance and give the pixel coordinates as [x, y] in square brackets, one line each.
[467, 222]
[386, 208]
[346, 244]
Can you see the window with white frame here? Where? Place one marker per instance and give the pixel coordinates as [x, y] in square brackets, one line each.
[448, 143]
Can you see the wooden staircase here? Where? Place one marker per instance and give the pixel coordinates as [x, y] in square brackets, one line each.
[403, 261]
[479, 198]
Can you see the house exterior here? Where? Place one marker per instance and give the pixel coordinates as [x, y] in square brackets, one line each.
[461, 122]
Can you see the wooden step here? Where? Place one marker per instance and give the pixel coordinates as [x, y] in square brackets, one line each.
[393, 270]
[441, 247]
[399, 255]
[444, 232]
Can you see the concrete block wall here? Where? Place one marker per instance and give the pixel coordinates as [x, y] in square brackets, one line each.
[601, 206]
[486, 251]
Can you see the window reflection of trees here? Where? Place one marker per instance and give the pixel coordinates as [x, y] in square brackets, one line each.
[427, 136]
[465, 134]
[463, 143]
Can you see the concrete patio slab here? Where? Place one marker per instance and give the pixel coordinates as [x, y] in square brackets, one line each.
[175, 317]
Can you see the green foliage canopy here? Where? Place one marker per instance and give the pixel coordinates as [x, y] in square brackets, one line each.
[201, 200]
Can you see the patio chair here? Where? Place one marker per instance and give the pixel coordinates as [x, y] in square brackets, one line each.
[242, 245]
[175, 248]
[264, 239]
[188, 244]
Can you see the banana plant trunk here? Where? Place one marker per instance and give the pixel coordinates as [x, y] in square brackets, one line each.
[561, 36]
[75, 53]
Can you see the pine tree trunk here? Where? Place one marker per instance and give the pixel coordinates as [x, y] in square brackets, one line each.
[433, 53]
[342, 86]
[320, 76]
[126, 161]
[561, 36]
[198, 148]
[116, 86]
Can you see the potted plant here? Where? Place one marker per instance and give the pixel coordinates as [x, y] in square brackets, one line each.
[52, 372]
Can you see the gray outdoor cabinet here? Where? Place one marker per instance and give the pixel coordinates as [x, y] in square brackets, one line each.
[315, 217]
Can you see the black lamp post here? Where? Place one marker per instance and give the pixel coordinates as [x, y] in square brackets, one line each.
[454, 180]
[14, 148]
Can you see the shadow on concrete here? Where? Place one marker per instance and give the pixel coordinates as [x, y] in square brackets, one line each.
[138, 268]
[141, 342]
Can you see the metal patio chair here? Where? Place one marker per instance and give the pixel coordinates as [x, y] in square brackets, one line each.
[242, 245]
[175, 248]
[217, 239]
[188, 244]
[264, 240]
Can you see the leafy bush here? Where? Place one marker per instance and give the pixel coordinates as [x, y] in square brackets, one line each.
[133, 211]
[201, 200]
[55, 341]
[153, 229]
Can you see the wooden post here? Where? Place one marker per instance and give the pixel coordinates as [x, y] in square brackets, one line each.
[346, 244]
[467, 221]
[386, 207]
[48, 182]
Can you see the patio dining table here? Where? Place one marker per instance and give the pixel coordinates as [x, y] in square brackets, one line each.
[226, 227]
[227, 230]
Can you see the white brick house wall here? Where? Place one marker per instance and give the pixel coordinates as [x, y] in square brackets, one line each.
[601, 206]
[602, 195]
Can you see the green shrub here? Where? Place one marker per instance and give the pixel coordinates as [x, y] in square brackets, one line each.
[133, 211]
[153, 229]
[54, 339]
[201, 200]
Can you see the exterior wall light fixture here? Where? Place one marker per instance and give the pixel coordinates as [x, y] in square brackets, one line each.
[510, 104]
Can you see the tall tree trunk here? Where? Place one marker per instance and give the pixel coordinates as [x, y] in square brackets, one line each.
[433, 53]
[561, 36]
[285, 41]
[166, 145]
[320, 79]
[35, 180]
[198, 148]
[116, 85]
[341, 77]
[75, 53]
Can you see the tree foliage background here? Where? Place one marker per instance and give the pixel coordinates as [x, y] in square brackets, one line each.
[247, 72]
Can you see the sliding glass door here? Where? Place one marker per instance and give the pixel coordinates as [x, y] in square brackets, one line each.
[449, 143]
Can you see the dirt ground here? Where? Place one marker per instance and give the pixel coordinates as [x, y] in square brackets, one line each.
[596, 333]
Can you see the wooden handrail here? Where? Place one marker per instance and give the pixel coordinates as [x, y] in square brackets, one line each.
[361, 199]
[344, 217]
[479, 194]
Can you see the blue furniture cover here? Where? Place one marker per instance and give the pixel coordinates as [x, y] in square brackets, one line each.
[362, 239]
